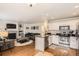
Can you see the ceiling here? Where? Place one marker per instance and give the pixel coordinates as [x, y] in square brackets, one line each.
[24, 13]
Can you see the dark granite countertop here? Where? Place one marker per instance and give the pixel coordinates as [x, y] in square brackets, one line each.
[41, 36]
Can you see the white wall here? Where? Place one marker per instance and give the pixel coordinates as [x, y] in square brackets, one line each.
[43, 27]
[30, 30]
[3, 25]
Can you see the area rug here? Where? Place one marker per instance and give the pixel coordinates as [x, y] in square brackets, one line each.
[43, 54]
[23, 44]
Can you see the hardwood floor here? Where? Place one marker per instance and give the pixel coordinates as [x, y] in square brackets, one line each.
[62, 52]
[21, 51]
[29, 50]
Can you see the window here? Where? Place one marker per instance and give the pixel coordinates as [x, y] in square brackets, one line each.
[64, 27]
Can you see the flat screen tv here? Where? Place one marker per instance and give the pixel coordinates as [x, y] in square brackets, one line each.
[11, 26]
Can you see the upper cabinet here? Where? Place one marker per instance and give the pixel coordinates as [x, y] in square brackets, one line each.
[71, 22]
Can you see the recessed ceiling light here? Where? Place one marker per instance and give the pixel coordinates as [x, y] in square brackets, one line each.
[76, 6]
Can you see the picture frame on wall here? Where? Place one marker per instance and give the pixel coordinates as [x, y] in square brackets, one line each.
[35, 27]
[27, 27]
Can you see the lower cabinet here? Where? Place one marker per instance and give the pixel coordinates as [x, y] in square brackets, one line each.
[73, 43]
[41, 43]
[50, 40]
[55, 39]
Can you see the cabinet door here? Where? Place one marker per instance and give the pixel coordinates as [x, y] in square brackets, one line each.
[39, 43]
[55, 39]
[50, 39]
[73, 43]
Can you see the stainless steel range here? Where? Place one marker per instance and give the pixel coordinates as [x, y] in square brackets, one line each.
[64, 37]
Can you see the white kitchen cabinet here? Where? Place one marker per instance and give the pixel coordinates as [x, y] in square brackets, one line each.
[73, 43]
[50, 39]
[55, 39]
[41, 43]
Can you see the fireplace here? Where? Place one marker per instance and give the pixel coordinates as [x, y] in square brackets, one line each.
[12, 36]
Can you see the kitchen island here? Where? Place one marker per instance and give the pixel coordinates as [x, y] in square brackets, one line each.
[41, 43]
